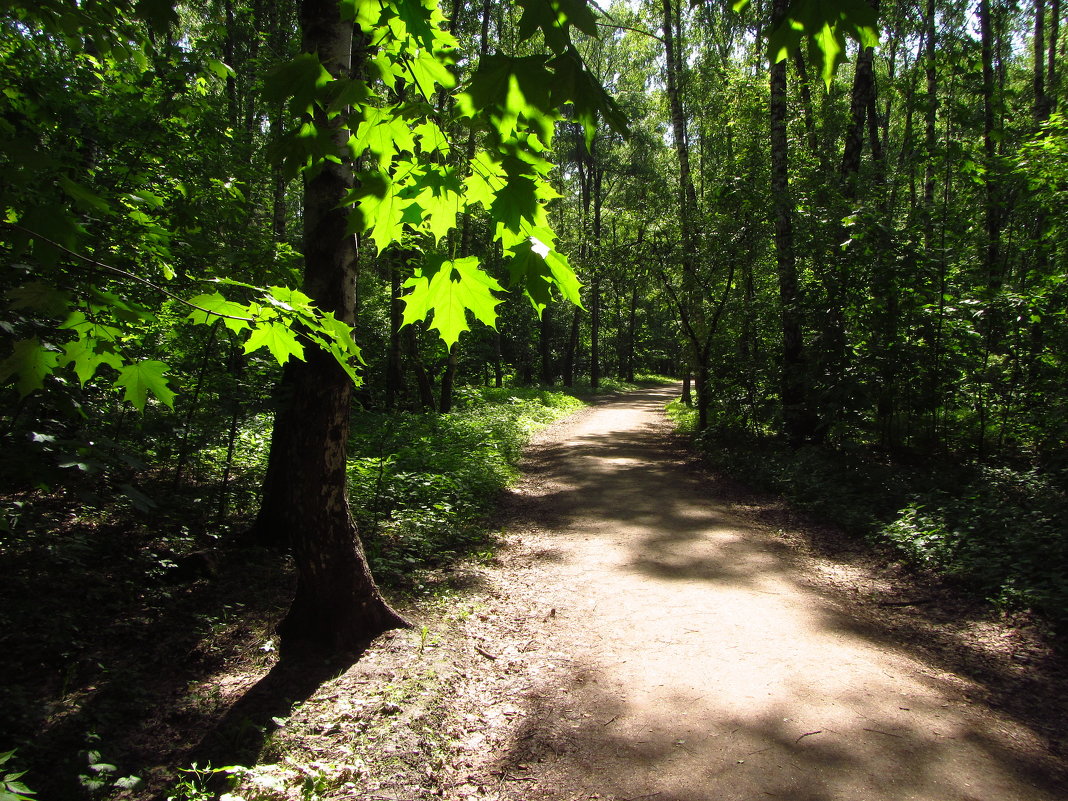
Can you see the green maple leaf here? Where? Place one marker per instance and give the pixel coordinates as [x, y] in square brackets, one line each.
[143, 377]
[576, 85]
[487, 176]
[384, 132]
[29, 363]
[517, 203]
[215, 305]
[553, 18]
[431, 138]
[299, 80]
[438, 192]
[278, 339]
[418, 22]
[536, 267]
[379, 209]
[824, 24]
[86, 357]
[40, 296]
[427, 70]
[510, 88]
[448, 289]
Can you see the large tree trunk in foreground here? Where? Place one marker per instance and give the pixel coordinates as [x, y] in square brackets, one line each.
[337, 605]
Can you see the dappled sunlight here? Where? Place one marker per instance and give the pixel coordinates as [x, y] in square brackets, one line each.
[708, 669]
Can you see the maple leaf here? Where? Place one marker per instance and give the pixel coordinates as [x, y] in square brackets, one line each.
[824, 24]
[448, 289]
[213, 305]
[379, 209]
[537, 268]
[86, 357]
[553, 18]
[278, 338]
[143, 377]
[30, 361]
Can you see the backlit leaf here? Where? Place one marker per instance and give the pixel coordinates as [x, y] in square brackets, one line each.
[140, 378]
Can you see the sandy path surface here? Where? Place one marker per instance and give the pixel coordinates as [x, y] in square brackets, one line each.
[659, 647]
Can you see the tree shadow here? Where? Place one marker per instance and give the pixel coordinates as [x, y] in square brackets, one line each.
[238, 737]
[637, 496]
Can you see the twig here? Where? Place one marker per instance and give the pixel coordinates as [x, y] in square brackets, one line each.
[808, 734]
[613, 719]
[485, 653]
[126, 274]
[905, 603]
[888, 734]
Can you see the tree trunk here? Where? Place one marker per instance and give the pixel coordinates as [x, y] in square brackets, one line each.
[1051, 63]
[422, 379]
[1041, 107]
[797, 424]
[545, 335]
[394, 373]
[572, 349]
[992, 251]
[337, 606]
[448, 378]
[595, 286]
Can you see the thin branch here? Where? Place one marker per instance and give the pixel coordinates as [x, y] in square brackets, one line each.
[125, 274]
[617, 26]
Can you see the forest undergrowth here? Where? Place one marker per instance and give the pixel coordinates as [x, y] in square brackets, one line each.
[993, 529]
[124, 624]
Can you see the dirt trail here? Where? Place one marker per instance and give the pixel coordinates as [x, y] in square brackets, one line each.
[656, 646]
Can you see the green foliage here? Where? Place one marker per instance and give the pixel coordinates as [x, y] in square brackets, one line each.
[11, 786]
[997, 531]
[823, 26]
[420, 483]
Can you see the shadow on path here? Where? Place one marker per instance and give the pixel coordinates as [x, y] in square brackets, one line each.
[702, 664]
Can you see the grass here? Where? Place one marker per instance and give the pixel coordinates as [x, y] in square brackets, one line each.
[998, 531]
[421, 483]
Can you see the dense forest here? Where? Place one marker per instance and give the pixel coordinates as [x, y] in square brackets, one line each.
[300, 276]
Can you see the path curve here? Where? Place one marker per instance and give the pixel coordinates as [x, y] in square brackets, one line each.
[662, 648]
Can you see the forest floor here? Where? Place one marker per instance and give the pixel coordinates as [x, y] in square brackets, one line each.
[654, 631]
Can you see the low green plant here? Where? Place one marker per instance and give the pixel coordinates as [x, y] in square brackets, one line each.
[11, 788]
[996, 530]
[194, 784]
[421, 483]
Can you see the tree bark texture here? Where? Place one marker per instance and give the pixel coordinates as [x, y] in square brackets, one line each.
[337, 606]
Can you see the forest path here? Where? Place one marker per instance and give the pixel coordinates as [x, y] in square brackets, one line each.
[652, 644]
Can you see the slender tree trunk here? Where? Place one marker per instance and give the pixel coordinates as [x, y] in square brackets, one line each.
[545, 335]
[422, 378]
[595, 284]
[687, 193]
[337, 606]
[572, 349]
[448, 377]
[1052, 78]
[632, 330]
[394, 371]
[992, 254]
[1041, 107]
[797, 424]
